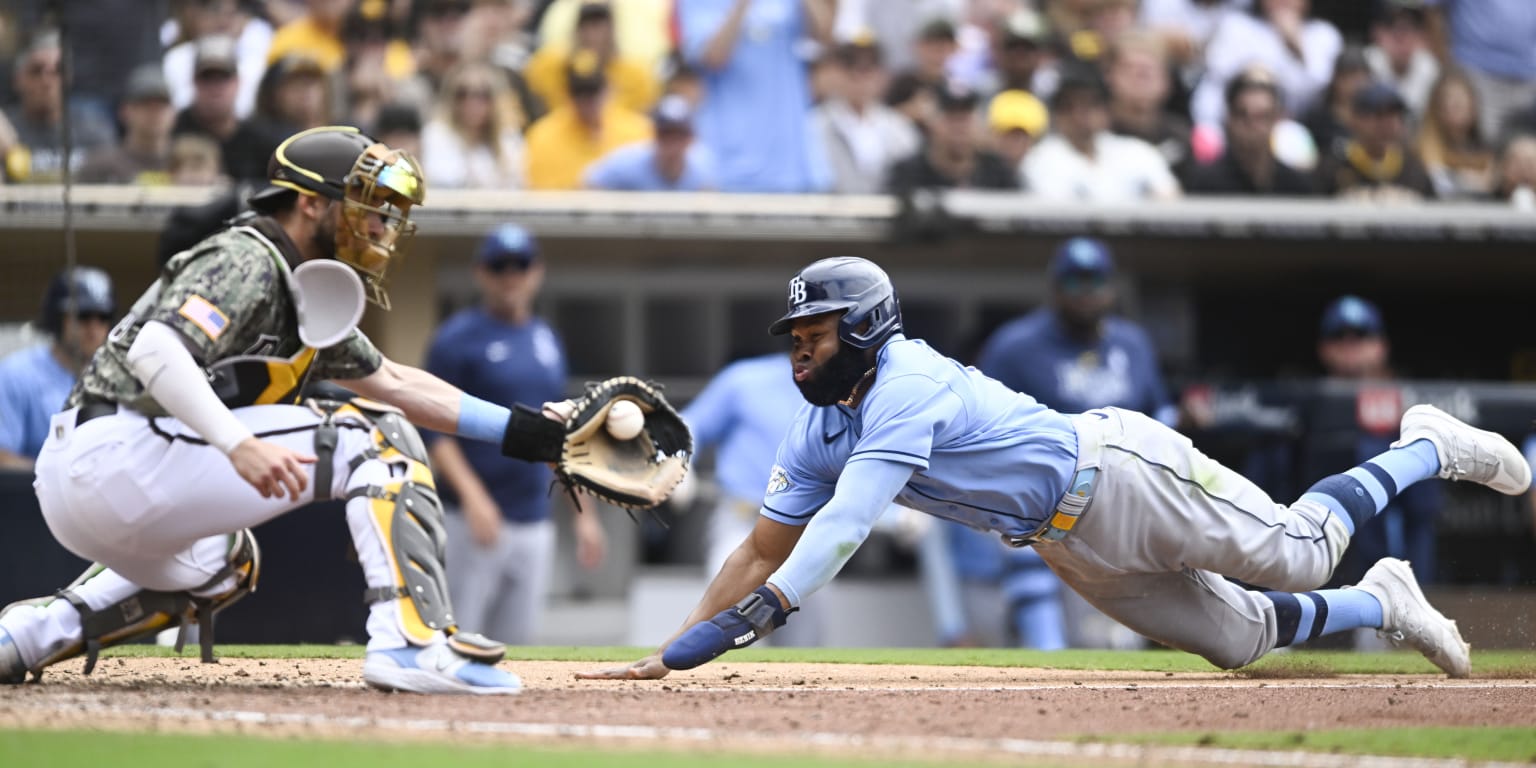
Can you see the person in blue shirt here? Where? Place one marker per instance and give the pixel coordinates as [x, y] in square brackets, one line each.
[35, 381]
[672, 162]
[501, 539]
[1122, 507]
[1072, 355]
[755, 114]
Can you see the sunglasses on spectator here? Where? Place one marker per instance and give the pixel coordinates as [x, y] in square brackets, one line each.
[1350, 334]
[1265, 116]
[472, 93]
[39, 70]
[100, 317]
[513, 265]
[1076, 284]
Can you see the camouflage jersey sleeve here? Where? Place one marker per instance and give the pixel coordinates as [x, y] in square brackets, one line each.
[355, 357]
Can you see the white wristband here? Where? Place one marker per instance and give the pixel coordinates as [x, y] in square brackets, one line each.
[170, 375]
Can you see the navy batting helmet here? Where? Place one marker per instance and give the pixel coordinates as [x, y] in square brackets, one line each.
[92, 292]
[846, 284]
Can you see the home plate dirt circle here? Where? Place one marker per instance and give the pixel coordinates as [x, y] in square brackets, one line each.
[914, 711]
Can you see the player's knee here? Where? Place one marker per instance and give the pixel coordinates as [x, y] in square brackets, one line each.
[1231, 658]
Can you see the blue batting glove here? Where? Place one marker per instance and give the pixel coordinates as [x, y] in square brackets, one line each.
[755, 617]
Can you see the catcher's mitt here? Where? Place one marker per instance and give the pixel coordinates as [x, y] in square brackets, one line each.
[639, 473]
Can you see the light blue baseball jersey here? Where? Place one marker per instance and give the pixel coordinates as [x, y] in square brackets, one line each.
[744, 410]
[982, 454]
[33, 387]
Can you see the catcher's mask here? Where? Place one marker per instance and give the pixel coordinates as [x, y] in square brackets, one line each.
[377, 187]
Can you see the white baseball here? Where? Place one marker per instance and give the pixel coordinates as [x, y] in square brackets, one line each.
[624, 420]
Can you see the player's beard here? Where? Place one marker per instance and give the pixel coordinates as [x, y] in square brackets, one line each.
[324, 238]
[833, 381]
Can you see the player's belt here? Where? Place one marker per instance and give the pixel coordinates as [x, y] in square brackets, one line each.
[94, 409]
[1071, 507]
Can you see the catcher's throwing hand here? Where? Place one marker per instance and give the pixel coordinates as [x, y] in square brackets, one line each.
[755, 617]
[634, 474]
[270, 468]
[648, 668]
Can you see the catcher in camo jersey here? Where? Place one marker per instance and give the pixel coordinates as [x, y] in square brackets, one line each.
[186, 430]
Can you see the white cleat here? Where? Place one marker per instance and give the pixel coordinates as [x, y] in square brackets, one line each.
[12, 669]
[1408, 619]
[1467, 453]
[436, 669]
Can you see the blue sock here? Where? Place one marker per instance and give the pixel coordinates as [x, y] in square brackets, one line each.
[1304, 616]
[1361, 493]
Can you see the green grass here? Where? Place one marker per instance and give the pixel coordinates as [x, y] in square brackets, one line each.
[94, 749]
[1471, 743]
[1507, 664]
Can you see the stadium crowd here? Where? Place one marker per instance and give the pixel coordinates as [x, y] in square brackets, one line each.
[1073, 100]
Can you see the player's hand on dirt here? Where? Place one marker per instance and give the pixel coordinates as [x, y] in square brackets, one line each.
[273, 470]
[648, 668]
[484, 520]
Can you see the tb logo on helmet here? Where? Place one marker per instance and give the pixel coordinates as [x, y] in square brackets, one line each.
[796, 291]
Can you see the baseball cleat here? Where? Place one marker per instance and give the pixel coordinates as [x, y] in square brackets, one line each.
[12, 669]
[1408, 619]
[435, 669]
[1467, 453]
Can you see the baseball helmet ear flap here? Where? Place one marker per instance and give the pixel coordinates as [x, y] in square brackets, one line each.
[856, 287]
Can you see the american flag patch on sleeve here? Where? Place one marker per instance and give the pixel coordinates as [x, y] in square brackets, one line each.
[205, 316]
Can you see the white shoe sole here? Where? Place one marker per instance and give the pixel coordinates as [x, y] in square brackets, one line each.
[1399, 571]
[388, 677]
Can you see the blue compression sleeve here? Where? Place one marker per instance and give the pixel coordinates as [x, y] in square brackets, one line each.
[864, 490]
[481, 420]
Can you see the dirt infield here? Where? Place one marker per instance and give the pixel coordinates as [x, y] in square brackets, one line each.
[905, 709]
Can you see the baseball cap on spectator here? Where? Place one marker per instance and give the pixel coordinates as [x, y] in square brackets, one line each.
[1025, 27]
[861, 51]
[1392, 11]
[1016, 110]
[147, 83]
[1082, 257]
[1077, 82]
[593, 10]
[673, 115]
[1352, 314]
[954, 97]
[937, 29]
[397, 118]
[1378, 98]
[216, 54]
[509, 245]
[296, 65]
[584, 75]
[1255, 78]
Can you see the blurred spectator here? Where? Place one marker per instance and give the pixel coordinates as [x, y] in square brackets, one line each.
[207, 18]
[194, 162]
[753, 118]
[1082, 161]
[108, 39]
[862, 136]
[563, 143]
[1517, 173]
[143, 155]
[316, 34]
[1017, 120]
[685, 82]
[1352, 346]
[294, 95]
[501, 540]
[440, 40]
[34, 382]
[1329, 119]
[398, 126]
[1021, 54]
[1399, 53]
[912, 98]
[1139, 80]
[672, 162]
[631, 85]
[1493, 41]
[641, 27]
[953, 156]
[1377, 163]
[36, 117]
[931, 52]
[1450, 143]
[897, 24]
[1074, 355]
[474, 140]
[1188, 25]
[1300, 51]
[1107, 20]
[1248, 165]
[245, 149]
[365, 80]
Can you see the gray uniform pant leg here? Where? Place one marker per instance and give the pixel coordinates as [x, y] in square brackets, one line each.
[500, 591]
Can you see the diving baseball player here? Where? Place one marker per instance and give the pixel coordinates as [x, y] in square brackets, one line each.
[1122, 507]
[186, 430]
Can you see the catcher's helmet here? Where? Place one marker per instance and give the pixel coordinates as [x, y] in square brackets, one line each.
[369, 179]
[847, 284]
[91, 290]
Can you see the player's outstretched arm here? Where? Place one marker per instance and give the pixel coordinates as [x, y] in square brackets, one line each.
[762, 552]
[428, 401]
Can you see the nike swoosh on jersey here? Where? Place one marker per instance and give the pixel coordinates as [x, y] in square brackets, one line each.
[826, 438]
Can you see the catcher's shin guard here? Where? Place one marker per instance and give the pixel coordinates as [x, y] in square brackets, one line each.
[148, 611]
[408, 517]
